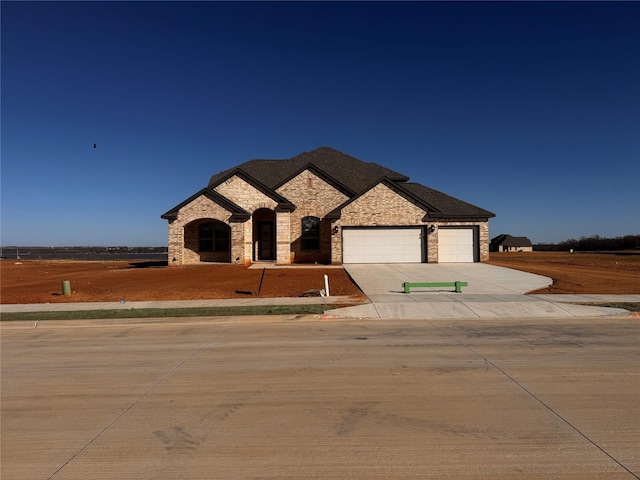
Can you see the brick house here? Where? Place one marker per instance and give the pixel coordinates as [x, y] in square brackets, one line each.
[327, 207]
[508, 243]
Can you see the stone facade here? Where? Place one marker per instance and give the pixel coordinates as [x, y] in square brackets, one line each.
[384, 207]
[283, 237]
[313, 197]
[181, 243]
[251, 199]
[481, 233]
[263, 203]
[245, 195]
[380, 206]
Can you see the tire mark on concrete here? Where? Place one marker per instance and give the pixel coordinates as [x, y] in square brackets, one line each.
[177, 441]
[141, 397]
[351, 419]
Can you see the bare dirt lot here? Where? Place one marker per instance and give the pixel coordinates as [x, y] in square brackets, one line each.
[40, 281]
[604, 273]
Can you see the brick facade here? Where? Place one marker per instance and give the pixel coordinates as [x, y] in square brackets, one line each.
[380, 206]
[250, 209]
[482, 238]
[245, 195]
[182, 246]
[313, 197]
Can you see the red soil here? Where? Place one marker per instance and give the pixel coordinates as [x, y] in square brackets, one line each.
[605, 273]
[40, 281]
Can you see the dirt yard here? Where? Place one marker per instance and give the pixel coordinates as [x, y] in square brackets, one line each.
[605, 273]
[40, 281]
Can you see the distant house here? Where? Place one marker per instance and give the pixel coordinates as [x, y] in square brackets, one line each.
[508, 243]
[326, 207]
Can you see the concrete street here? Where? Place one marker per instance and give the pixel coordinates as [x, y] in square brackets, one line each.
[303, 397]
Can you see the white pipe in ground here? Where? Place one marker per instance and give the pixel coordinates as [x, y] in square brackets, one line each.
[326, 284]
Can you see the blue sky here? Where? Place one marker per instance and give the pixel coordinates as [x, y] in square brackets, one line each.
[530, 110]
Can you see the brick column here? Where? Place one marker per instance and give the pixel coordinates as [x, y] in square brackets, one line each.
[283, 237]
[432, 245]
[238, 241]
[484, 241]
[176, 243]
[336, 244]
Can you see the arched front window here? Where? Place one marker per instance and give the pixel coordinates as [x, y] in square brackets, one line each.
[213, 237]
[310, 233]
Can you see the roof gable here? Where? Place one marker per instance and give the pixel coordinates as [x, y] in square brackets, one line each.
[237, 212]
[398, 188]
[283, 203]
[321, 174]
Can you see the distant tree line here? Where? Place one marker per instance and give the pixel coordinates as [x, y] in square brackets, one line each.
[81, 253]
[89, 249]
[594, 243]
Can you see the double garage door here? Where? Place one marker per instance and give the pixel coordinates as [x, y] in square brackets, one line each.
[404, 245]
[382, 245]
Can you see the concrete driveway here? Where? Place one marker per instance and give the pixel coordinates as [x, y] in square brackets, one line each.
[493, 292]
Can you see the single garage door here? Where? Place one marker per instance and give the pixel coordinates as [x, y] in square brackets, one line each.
[382, 245]
[455, 245]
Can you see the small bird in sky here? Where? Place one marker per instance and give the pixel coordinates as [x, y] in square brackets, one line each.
[94, 145]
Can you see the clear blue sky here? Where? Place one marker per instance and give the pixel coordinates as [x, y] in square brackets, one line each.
[530, 110]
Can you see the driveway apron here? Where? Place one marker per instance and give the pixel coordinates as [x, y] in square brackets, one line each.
[492, 292]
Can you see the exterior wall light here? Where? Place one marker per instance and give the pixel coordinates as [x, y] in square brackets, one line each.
[336, 229]
[432, 229]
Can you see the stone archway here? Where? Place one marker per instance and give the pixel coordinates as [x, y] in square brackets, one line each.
[207, 240]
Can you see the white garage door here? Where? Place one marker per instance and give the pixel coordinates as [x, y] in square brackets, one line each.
[455, 245]
[382, 245]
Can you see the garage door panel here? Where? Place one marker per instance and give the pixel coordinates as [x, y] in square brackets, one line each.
[456, 245]
[382, 245]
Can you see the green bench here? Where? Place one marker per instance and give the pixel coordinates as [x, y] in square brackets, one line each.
[407, 286]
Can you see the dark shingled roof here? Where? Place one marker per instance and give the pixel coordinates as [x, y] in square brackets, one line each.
[350, 172]
[510, 241]
[443, 205]
[350, 175]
